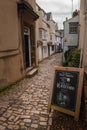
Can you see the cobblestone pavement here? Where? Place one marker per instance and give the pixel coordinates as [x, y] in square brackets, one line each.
[24, 105]
[61, 121]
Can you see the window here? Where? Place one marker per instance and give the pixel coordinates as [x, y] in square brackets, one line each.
[43, 34]
[73, 28]
[52, 37]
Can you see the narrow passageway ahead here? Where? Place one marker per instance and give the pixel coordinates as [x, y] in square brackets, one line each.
[24, 106]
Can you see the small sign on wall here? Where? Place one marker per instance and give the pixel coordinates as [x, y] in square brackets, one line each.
[66, 90]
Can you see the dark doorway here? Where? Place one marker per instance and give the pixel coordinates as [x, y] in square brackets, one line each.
[27, 54]
[48, 50]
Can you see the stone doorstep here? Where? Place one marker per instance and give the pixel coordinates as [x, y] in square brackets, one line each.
[29, 69]
[32, 72]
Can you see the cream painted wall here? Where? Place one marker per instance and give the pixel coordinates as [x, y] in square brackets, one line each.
[11, 59]
[45, 51]
[40, 53]
[32, 3]
[8, 25]
[85, 49]
[83, 34]
[52, 31]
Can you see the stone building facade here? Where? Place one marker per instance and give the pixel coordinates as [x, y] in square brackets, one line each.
[46, 34]
[42, 34]
[52, 34]
[17, 39]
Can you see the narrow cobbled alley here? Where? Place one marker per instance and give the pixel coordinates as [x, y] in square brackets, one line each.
[24, 105]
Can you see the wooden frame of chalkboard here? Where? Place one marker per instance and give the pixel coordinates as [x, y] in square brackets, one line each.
[66, 91]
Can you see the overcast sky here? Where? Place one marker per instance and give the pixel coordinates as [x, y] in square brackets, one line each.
[60, 9]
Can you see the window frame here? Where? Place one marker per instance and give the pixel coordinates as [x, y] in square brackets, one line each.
[73, 27]
[43, 34]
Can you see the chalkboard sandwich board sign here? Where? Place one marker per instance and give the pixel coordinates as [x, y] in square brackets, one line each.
[66, 90]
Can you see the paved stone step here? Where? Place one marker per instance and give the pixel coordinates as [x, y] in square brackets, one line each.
[29, 69]
[32, 72]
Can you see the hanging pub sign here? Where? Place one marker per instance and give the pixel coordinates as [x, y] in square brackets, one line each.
[66, 90]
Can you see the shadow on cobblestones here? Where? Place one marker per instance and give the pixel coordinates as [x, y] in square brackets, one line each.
[62, 121]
